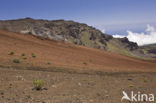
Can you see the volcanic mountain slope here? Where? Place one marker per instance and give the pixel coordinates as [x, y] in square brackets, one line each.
[51, 53]
[151, 48]
[72, 32]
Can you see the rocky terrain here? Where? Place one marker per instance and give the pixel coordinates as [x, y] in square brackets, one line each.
[150, 49]
[72, 32]
[71, 73]
[69, 31]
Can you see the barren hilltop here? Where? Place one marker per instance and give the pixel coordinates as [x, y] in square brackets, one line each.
[74, 32]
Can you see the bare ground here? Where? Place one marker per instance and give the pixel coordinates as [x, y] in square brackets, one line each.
[64, 55]
[16, 86]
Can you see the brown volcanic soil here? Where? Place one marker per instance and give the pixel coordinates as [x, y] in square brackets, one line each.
[16, 86]
[64, 55]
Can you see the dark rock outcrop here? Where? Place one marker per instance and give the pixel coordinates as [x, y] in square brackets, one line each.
[131, 45]
[68, 31]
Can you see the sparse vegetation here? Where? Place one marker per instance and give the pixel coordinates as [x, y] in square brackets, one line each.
[32, 63]
[16, 60]
[11, 53]
[145, 80]
[24, 57]
[33, 55]
[38, 84]
[23, 54]
[84, 63]
[48, 63]
[121, 50]
[131, 85]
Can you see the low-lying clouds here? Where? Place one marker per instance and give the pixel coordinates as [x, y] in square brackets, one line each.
[147, 37]
[103, 30]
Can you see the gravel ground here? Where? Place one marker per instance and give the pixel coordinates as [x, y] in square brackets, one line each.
[16, 86]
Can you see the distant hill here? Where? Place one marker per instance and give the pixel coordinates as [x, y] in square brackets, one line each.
[72, 32]
[151, 48]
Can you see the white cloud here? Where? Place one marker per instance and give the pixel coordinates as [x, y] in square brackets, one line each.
[148, 37]
[103, 30]
[118, 36]
[150, 28]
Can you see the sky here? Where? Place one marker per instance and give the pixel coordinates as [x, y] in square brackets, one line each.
[113, 17]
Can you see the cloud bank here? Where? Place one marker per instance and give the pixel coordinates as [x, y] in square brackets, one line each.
[147, 37]
[103, 30]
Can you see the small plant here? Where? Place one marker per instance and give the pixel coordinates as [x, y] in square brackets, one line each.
[33, 55]
[145, 80]
[48, 63]
[38, 84]
[16, 60]
[22, 54]
[84, 63]
[24, 57]
[90, 60]
[11, 53]
[31, 63]
[131, 85]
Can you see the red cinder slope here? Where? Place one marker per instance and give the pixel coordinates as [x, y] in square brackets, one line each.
[64, 55]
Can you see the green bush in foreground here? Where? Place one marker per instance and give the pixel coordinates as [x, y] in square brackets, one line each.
[33, 55]
[16, 60]
[48, 63]
[24, 57]
[84, 63]
[22, 54]
[38, 84]
[131, 85]
[11, 53]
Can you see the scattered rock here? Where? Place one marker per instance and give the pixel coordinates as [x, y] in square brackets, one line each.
[129, 79]
[91, 100]
[20, 77]
[54, 86]
[106, 96]
[2, 96]
[45, 88]
[1, 92]
[28, 96]
[98, 94]
[79, 84]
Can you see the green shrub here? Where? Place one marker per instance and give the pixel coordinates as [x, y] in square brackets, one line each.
[33, 55]
[145, 80]
[84, 63]
[24, 57]
[32, 63]
[38, 84]
[11, 53]
[16, 60]
[131, 85]
[22, 54]
[48, 63]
